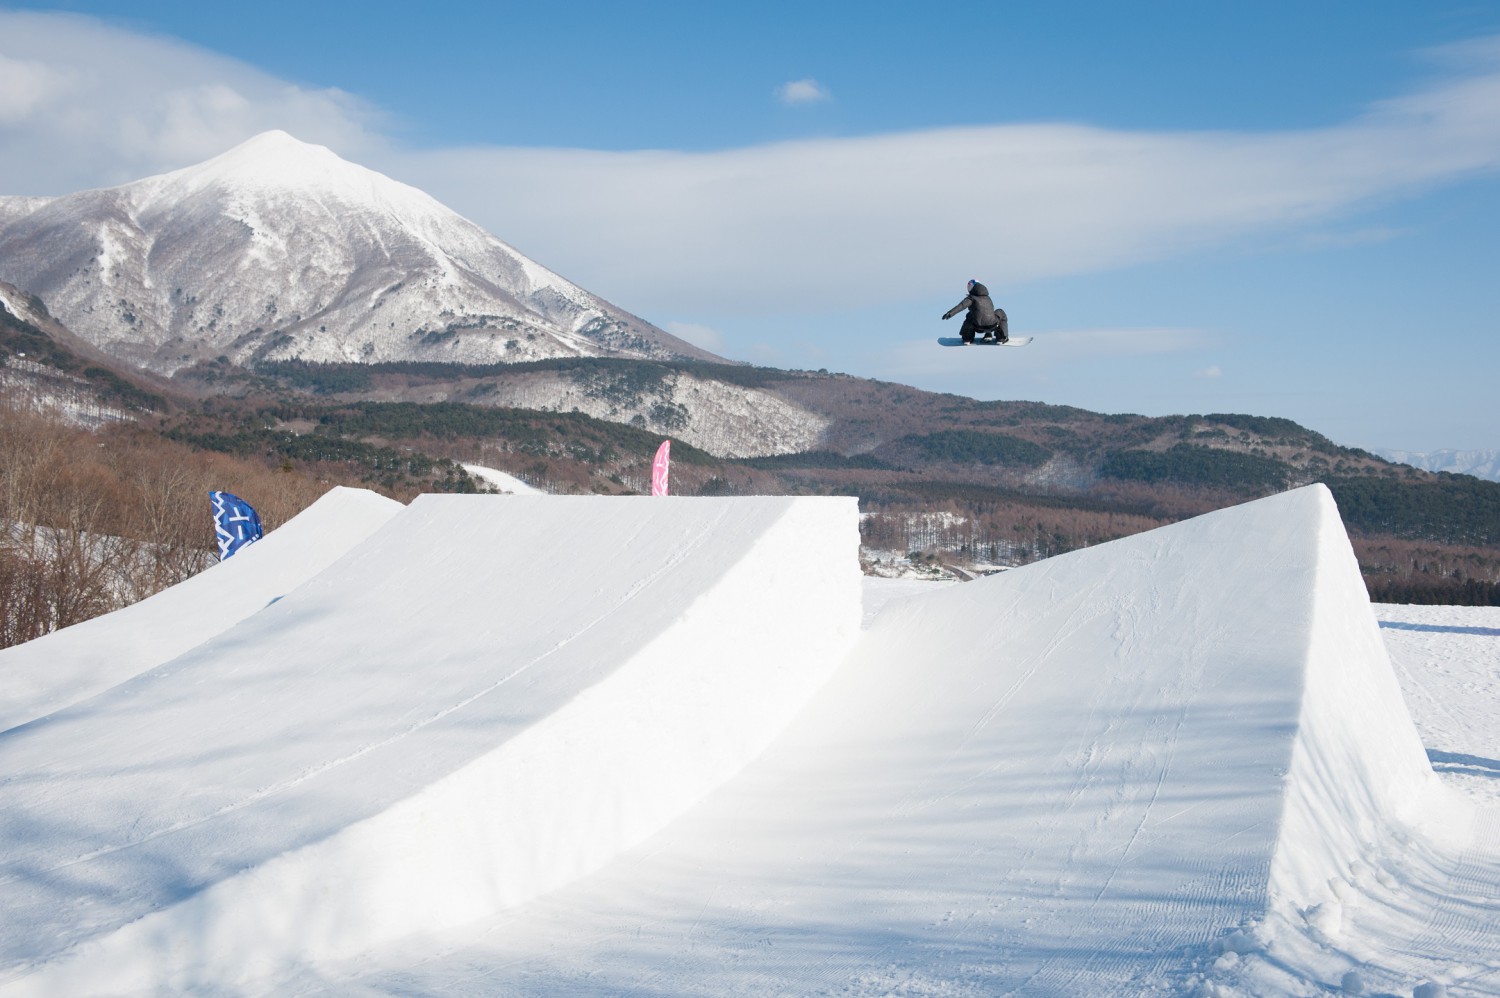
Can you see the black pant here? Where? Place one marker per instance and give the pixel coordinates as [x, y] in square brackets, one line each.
[1002, 331]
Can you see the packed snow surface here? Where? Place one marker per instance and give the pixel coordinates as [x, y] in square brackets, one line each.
[590, 746]
[505, 482]
[1448, 661]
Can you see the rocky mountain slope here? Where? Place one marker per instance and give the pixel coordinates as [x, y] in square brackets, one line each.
[278, 249]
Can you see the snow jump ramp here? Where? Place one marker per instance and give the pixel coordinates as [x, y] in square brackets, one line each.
[486, 699]
[77, 662]
[1178, 763]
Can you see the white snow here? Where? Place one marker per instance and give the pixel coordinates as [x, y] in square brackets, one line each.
[1448, 661]
[276, 162]
[507, 483]
[13, 208]
[553, 746]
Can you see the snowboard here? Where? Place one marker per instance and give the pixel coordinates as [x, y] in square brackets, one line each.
[957, 341]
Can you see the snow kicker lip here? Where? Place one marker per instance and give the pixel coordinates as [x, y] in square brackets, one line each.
[487, 699]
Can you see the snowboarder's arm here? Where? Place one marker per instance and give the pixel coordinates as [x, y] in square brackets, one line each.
[958, 308]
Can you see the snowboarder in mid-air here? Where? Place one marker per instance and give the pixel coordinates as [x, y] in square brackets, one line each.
[983, 318]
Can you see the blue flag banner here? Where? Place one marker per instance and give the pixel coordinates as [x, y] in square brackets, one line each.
[235, 522]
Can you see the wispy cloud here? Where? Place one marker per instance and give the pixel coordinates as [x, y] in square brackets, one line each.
[84, 103]
[1213, 371]
[804, 91]
[26, 86]
[698, 335]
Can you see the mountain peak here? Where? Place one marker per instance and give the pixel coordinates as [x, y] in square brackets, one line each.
[276, 160]
[274, 146]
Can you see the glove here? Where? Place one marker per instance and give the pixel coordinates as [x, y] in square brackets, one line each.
[947, 316]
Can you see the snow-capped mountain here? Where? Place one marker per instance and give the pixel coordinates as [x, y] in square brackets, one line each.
[278, 249]
[1479, 463]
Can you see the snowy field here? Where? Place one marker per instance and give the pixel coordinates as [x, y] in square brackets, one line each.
[501, 481]
[587, 746]
[1448, 661]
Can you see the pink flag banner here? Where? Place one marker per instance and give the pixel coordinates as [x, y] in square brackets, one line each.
[659, 468]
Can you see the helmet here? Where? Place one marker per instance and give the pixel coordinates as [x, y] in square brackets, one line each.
[971, 285]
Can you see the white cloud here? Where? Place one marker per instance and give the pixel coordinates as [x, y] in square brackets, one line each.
[698, 335]
[804, 91]
[1213, 371]
[84, 103]
[26, 87]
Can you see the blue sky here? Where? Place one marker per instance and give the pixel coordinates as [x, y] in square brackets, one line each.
[1279, 208]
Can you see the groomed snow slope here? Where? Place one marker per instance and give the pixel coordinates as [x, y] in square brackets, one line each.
[77, 662]
[1173, 764]
[488, 698]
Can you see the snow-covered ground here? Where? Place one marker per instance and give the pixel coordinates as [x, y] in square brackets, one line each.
[1448, 661]
[505, 482]
[593, 746]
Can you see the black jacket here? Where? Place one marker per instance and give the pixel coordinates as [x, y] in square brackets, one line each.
[981, 309]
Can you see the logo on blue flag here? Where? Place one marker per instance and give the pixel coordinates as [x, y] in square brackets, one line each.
[235, 522]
